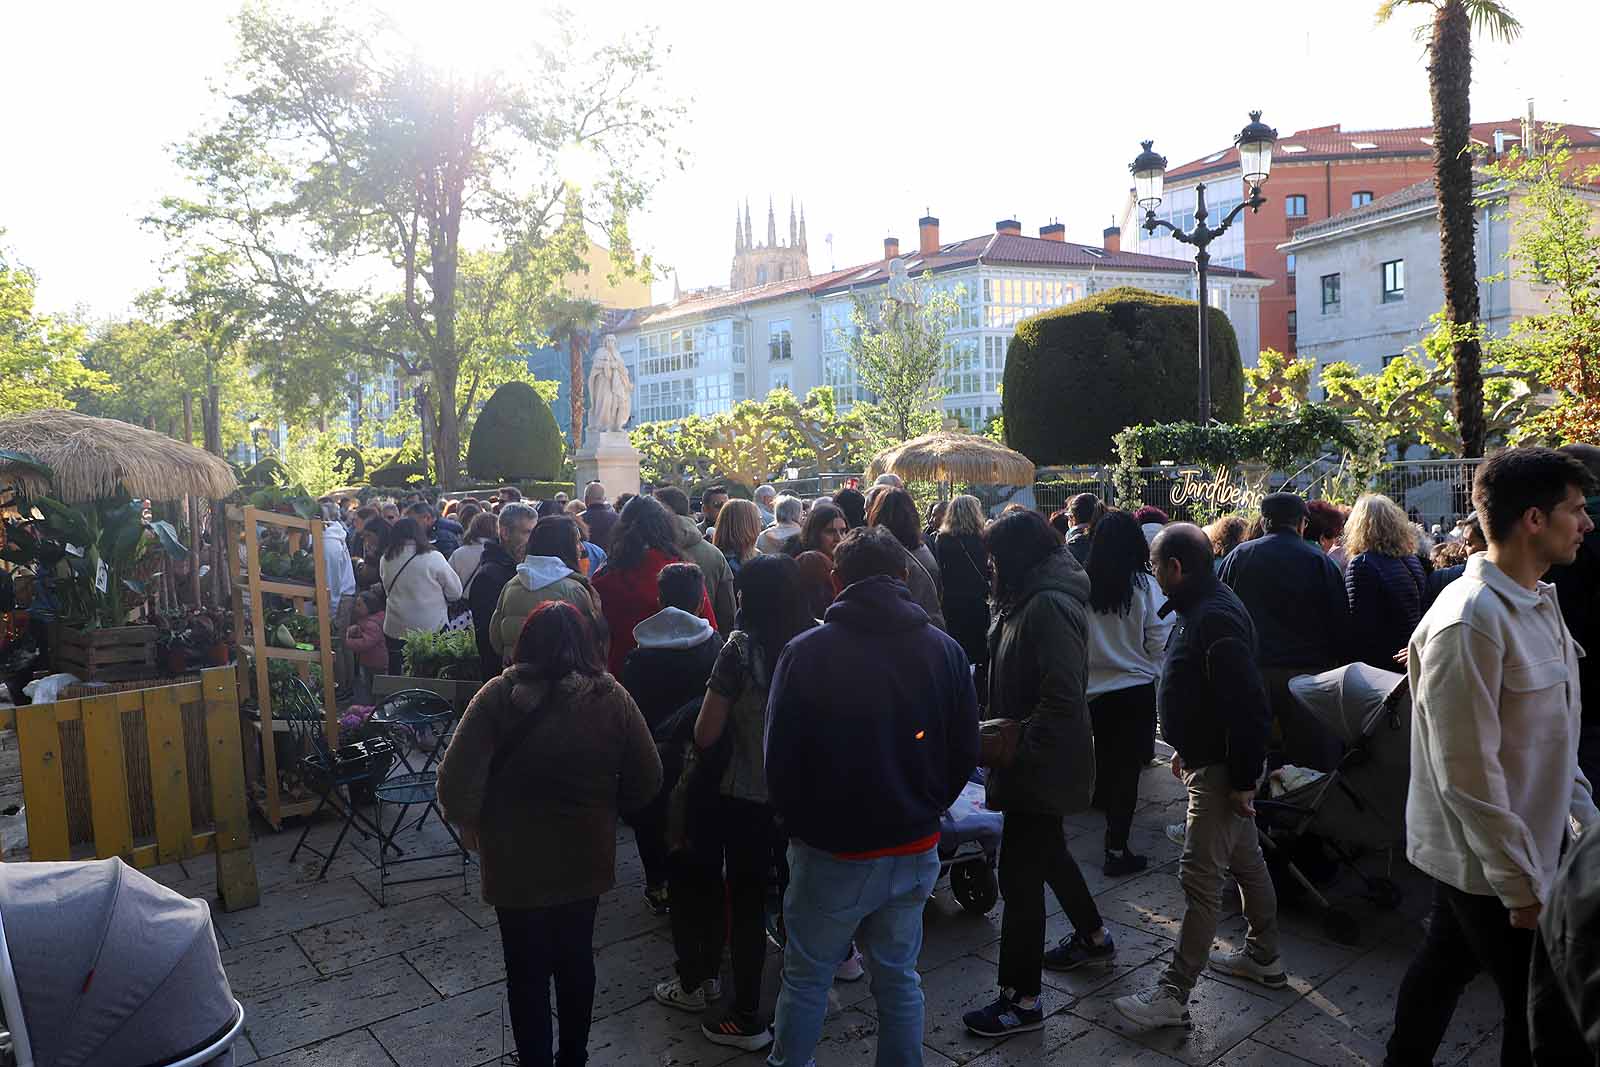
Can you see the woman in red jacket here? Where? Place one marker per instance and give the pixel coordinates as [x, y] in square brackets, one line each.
[643, 542]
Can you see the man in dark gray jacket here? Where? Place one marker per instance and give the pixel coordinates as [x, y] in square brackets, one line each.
[1213, 709]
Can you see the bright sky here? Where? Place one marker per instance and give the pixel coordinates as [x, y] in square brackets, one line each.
[869, 112]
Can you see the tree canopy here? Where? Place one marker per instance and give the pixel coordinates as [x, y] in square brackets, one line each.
[899, 352]
[347, 175]
[40, 364]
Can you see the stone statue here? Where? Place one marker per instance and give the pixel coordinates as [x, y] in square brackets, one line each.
[610, 390]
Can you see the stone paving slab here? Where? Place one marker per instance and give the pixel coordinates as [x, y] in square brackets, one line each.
[358, 939]
[470, 1029]
[264, 965]
[462, 963]
[287, 1018]
[1222, 1016]
[355, 1049]
[652, 1034]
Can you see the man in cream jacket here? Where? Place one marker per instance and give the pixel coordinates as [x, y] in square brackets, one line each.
[1495, 784]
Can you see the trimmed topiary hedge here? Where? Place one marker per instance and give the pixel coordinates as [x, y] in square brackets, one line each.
[1077, 375]
[515, 437]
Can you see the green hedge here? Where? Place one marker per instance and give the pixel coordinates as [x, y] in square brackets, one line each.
[515, 436]
[1077, 375]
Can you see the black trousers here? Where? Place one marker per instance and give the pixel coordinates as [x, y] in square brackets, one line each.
[397, 663]
[1033, 853]
[541, 945]
[1466, 934]
[738, 837]
[650, 835]
[1124, 723]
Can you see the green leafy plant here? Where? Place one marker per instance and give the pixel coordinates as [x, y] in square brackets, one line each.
[446, 654]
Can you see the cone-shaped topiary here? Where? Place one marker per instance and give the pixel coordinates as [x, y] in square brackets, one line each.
[1078, 374]
[515, 436]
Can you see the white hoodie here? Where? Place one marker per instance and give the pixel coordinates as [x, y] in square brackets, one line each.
[672, 628]
[536, 572]
[1127, 650]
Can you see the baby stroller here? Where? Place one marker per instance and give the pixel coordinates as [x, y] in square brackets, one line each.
[1360, 805]
[969, 847]
[101, 965]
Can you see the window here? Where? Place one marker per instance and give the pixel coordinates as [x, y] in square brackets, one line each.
[778, 346]
[1290, 259]
[1330, 293]
[1358, 199]
[1390, 359]
[781, 380]
[761, 276]
[1394, 281]
[1294, 328]
[1294, 206]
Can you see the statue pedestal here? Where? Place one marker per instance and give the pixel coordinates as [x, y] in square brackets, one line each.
[610, 459]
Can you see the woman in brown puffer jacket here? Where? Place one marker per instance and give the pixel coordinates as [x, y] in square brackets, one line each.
[543, 761]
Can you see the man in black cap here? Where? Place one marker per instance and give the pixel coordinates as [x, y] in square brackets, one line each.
[1296, 598]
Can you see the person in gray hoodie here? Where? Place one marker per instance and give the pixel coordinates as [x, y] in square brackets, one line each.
[666, 670]
[703, 554]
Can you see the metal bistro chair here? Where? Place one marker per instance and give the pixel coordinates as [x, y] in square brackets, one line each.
[408, 714]
[326, 771]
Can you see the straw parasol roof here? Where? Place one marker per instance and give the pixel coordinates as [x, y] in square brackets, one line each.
[954, 457]
[90, 458]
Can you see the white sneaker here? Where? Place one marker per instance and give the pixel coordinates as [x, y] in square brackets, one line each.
[1154, 1007]
[1177, 831]
[673, 995]
[852, 968]
[712, 988]
[1243, 965]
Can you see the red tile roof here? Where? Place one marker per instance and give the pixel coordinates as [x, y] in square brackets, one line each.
[1332, 142]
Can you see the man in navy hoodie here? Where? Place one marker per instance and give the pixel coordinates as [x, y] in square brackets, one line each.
[861, 777]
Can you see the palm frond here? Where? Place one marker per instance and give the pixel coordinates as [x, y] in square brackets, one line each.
[1492, 18]
[1387, 9]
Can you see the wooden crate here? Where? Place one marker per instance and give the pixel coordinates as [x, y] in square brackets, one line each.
[109, 654]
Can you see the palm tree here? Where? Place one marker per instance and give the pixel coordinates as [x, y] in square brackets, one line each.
[1449, 85]
[572, 320]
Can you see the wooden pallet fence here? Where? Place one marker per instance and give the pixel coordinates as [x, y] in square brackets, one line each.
[133, 766]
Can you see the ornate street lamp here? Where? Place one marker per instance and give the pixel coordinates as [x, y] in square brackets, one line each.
[1149, 172]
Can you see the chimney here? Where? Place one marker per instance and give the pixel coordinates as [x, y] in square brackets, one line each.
[1530, 132]
[928, 230]
[891, 247]
[1113, 238]
[1054, 232]
[1011, 226]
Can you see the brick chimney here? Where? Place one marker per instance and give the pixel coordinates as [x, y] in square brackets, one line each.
[1113, 238]
[928, 231]
[891, 247]
[1011, 226]
[1054, 232]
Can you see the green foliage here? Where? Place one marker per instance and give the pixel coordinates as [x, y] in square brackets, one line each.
[446, 654]
[899, 352]
[1285, 444]
[342, 153]
[1556, 249]
[757, 438]
[349, 465]
[1277, 386]
[516, 436]
[1077, 375]
[1408, 402]
[40, 364]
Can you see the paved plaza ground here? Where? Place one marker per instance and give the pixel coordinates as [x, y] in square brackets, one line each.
[328, 977]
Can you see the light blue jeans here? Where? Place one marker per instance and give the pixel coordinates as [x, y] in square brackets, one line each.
[878, 903]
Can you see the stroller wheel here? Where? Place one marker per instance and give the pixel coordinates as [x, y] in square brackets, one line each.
[1385, 894]
[1341, 926]
[974, 886]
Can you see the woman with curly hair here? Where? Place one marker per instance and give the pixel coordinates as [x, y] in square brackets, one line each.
[1384, 581]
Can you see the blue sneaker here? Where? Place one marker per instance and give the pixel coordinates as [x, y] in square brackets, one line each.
[1003, 1018]
[1075, 951]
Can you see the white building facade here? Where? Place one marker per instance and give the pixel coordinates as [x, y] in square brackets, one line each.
[1367, 281]
[701, 356]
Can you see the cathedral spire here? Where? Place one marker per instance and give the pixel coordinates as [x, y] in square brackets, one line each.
[802, 227]
[794, 233]
[738, 233]
[772, 225]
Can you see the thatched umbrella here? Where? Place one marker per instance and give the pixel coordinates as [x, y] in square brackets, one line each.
[90, 458]
[954, 457]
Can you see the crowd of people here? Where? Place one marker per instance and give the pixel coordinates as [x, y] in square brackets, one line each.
[782, 697]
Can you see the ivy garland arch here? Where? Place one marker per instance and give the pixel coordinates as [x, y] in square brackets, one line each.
[1282, 444]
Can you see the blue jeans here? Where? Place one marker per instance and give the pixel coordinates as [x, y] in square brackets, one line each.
[878, 903]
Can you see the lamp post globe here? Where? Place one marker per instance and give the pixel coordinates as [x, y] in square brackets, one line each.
[1255, 143]
[1149, 171]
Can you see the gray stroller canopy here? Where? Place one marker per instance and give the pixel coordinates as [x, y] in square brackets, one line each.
[111, 968]
[1347, 699]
